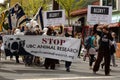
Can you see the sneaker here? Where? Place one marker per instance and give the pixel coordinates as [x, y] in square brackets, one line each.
[110, 69]
[107, 74]
[115, 65]
[52, 68]
[46, 67]
[84, 58]
[90, 67]
[102, 66]
[68, 70]
[94, 72]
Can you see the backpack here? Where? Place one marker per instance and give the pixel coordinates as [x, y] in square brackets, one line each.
[112, 48]
[87, 42]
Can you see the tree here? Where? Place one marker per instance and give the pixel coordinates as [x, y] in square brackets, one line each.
[2, 13]
[32, 6]
[70, 5]
[2, 9]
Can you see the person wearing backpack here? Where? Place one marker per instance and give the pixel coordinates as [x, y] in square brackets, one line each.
[87, 46]
[92, 50]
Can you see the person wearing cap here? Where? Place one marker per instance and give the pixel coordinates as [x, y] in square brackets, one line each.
[104, 49]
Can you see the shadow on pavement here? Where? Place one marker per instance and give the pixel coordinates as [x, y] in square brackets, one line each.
[2, 78]
[6, 71]
[10, 62]
[54, 72]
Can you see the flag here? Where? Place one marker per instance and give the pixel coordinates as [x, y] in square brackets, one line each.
[17, 16]
[2, 17]
[39, 18]
[4, 25]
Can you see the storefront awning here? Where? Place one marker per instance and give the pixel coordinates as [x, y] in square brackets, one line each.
[112, 25]
[79, 12]
[83, 10]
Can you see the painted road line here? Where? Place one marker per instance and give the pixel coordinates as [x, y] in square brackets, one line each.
[73, 78]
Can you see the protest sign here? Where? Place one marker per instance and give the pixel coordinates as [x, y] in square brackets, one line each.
[99, 14]
[61, 48]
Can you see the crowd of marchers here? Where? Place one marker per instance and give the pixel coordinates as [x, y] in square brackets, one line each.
[104, 47]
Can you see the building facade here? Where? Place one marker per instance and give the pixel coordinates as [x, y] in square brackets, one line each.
[114, 26]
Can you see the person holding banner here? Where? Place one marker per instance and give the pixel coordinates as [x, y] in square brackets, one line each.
[48, 61]
[28, 58]
[18, 32]
[67, 63]
[79, 36]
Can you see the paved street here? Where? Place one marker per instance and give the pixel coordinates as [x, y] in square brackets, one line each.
[9, 70]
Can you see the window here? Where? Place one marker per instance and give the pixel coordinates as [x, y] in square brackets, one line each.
[112, 3]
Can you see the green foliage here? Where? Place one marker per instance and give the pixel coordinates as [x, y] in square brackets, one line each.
[4, 22]
[2, 9]
[70, 5]
[32, 6]
[87, 2]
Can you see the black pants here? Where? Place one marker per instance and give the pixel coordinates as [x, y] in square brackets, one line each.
[17, 59]
[106, 55]
[50, 63]
[91, 59]
[80, 50]
[28, 60]
[67, 64]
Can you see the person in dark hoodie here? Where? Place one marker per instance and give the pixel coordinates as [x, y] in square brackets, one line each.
[68, 63]
[49, 62]
[104, 49]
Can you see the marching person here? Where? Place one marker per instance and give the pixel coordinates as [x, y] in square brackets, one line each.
[1, 44]
[79, 36]
[18, 32]
[28, 58]
[113, 50]
[48, 61]
[87, 46]
[92, 50]
[104, 49]
[67, 63]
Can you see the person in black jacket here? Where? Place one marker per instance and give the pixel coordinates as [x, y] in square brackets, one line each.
[68, 63]
[28, 58]
[49, 62]
[104, 49]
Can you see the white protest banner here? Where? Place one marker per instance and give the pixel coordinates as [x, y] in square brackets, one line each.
[54, 18]
[99, 14]
[44, 46]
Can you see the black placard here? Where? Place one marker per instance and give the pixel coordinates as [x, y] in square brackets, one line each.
[57, 14]
[100, 10]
